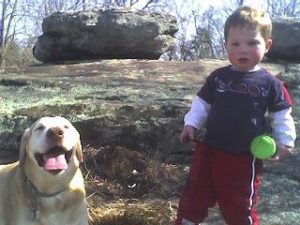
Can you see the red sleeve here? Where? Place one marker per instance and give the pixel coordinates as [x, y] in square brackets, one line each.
[286, 94]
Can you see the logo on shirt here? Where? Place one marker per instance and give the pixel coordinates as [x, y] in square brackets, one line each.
[240, 87]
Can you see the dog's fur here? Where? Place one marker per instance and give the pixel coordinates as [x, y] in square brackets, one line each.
[30, 193]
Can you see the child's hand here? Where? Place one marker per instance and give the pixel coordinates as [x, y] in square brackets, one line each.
[187, 133]
[283, 151]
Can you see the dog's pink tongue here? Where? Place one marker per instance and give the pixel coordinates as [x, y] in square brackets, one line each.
[55, 162]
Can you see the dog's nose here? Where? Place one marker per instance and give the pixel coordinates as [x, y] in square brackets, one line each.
[55, 132]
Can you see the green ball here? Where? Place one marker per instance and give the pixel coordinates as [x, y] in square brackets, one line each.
[263, 147]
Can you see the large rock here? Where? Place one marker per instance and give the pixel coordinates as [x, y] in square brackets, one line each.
[286, 36]
[115, 33]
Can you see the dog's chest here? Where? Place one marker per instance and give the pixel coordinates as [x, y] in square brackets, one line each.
[49, 210]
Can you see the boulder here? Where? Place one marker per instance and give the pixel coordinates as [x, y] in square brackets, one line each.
[111, 34]
[286, 36]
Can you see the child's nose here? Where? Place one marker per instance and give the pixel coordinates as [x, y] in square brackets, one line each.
[244, 48]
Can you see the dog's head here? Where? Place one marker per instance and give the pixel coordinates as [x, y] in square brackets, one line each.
[52, 143]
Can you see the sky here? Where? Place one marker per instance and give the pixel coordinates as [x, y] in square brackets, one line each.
[185, 7]
[205, 4]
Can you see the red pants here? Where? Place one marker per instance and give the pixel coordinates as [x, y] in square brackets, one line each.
[230, 180]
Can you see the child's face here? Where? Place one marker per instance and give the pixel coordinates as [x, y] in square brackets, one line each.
[246, 48]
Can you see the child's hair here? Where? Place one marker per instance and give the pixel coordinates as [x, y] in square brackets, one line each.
[253, 18]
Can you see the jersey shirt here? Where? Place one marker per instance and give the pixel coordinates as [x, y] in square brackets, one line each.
[239, 102]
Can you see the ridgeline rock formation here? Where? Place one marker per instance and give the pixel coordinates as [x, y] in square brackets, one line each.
[111, 34]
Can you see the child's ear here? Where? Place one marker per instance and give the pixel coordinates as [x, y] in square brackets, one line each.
[268, 44]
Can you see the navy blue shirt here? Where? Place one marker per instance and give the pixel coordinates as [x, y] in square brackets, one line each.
[239, 102]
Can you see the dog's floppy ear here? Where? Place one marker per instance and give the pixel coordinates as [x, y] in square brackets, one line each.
[78, 149]
[23, 145]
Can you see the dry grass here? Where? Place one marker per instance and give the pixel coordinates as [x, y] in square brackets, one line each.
[152, 212]
[127, 187]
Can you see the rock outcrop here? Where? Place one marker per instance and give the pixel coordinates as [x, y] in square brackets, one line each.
[133, 103]
[110, 34]
[286, 36]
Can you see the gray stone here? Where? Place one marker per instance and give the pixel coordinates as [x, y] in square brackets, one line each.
[110, 34]
[286, 35]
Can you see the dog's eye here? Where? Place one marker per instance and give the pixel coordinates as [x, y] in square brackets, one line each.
[66, 127]
[40, 127]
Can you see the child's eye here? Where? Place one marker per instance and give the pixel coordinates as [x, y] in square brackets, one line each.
[235, 44]
[252, 43]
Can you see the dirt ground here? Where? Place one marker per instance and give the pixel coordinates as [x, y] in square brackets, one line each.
[130, 186]
[127, 187]
[124, 186]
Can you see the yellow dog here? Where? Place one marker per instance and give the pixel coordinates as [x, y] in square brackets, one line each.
[45, 187]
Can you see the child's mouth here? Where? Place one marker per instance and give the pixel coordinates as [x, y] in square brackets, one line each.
[243, 60]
